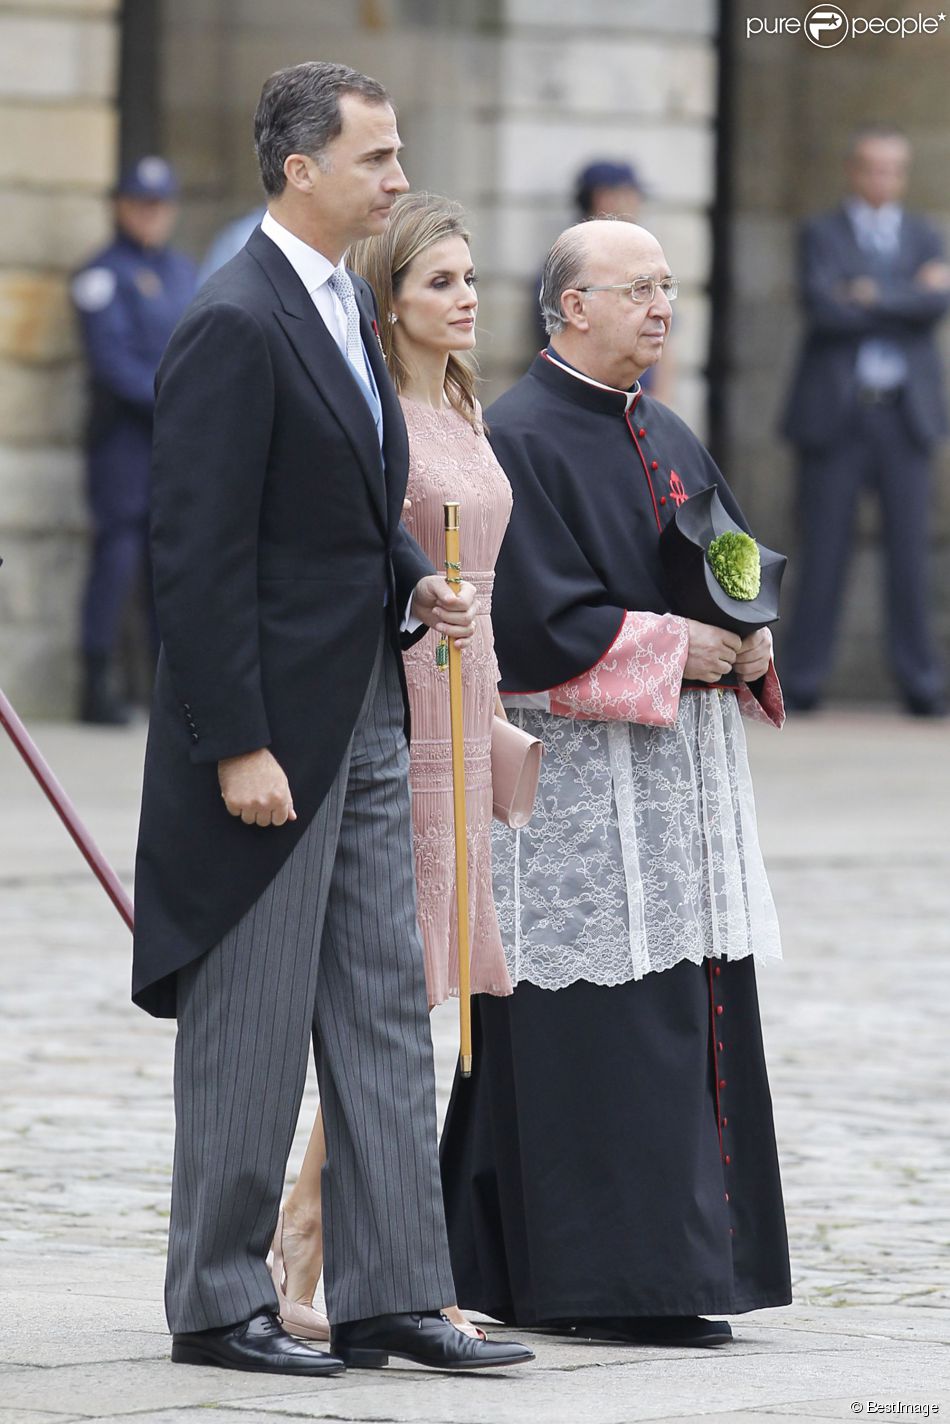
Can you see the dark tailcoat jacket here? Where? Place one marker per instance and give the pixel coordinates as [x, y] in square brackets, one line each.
[823, 400]
[275, 543]
[594, 484]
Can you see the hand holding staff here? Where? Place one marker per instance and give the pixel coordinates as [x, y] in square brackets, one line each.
[453, 574]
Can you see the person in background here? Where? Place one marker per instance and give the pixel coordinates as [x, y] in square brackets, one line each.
[866, 409]
[228, 241]
[129, 298]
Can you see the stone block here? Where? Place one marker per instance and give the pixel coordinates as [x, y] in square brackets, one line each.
[39, 677]
[675, 17]
[691, 317]
[41, 405]
[685, 236]
[72, 144]
[637, 77]
[689, 400]
[506, 337]
[36, 318]
[65, 7]
[41, 489]
[52, 229]
[40, 582]
[56, 57]
[512, 240]
[540, 157]
[764, 256]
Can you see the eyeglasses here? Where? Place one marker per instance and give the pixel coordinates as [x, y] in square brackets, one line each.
[641, 289]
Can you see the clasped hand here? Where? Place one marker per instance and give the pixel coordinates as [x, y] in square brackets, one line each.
[713, 652]
[451, 613]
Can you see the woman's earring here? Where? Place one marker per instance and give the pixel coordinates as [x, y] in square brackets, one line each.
[393, 318]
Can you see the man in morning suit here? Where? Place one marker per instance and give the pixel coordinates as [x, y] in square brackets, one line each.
[274, 882]
[867, 408]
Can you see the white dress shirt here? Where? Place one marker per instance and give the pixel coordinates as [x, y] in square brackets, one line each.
[882, 365]
[315, 271]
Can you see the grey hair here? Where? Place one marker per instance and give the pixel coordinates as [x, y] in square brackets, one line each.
[563, 268]
[299, 112]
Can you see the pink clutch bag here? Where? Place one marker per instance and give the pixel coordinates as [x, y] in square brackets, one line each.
[515, 767]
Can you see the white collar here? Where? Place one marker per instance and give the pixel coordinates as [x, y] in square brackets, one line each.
[888, 215]
[589, 380]
[313, 269]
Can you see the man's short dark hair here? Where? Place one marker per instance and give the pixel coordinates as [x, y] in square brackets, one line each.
[299, 112]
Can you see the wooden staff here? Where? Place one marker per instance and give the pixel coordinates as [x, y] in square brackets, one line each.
[453, 574]
[65, 809]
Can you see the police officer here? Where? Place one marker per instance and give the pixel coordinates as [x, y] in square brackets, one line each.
[129, 298]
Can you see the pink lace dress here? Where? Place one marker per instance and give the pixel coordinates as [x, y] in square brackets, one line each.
[449, 460]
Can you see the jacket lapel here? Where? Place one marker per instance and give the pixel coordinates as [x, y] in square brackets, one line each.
[395, 438]
[325, 364]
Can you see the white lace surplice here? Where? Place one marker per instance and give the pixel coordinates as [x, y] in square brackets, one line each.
[643, 849]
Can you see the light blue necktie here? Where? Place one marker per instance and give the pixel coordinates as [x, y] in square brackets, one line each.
[340, 284]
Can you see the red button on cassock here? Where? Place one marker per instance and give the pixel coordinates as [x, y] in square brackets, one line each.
[654, 464]
[719, 1008]
[722, 1082]
[727, 1196]
[719, 1046]
[718, 970]
[728, 1160]
[641, 432]
[663, 499]
[725, 1122]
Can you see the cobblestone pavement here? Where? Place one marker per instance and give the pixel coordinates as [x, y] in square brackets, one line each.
[855, 820]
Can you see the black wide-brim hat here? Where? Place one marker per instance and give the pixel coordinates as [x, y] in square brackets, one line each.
[694, 590]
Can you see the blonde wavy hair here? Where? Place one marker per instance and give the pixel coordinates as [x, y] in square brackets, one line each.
[418, 221]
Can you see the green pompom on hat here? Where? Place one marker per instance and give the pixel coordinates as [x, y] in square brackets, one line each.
[734, 559]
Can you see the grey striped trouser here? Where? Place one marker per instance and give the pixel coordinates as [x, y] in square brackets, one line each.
[331, 947]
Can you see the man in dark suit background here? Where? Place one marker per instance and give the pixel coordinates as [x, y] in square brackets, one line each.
[274, 879]
[866, 409]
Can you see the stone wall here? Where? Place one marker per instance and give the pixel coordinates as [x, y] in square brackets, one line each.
[793, 108]
[500, 102]
[57, 145]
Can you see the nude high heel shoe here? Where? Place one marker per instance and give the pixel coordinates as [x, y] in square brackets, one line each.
[297, 1319]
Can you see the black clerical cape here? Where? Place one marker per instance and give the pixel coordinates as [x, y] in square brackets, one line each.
[591, 497]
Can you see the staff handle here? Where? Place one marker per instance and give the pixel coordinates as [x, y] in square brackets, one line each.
[453, 574]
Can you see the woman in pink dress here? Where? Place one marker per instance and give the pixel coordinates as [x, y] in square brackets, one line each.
[421, 272]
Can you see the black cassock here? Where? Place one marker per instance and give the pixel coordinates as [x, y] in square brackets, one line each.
[613, 1152]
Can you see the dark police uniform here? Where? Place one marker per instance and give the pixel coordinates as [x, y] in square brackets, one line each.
[129, 299]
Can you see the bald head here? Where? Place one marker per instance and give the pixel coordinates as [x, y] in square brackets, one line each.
[585, 252]
[589, 309]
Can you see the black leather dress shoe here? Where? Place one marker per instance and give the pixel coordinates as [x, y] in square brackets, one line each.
[690, 1330]
[800, 702]
[925, 706]
[260, 1345]
[424, 1340]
